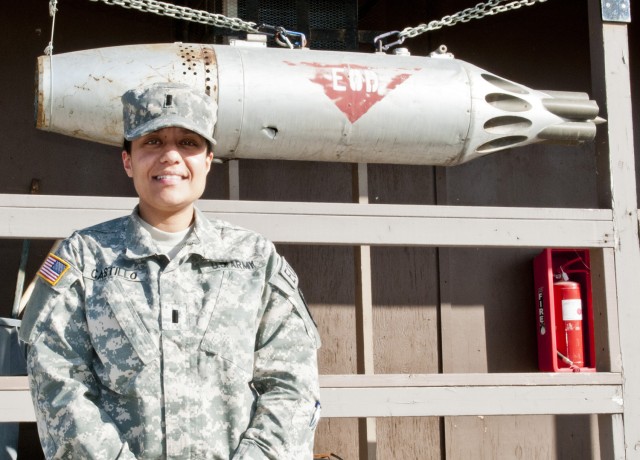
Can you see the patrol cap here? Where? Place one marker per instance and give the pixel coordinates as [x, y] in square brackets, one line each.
[163, 105]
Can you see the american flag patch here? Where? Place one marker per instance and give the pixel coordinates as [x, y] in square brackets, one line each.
[52, 269]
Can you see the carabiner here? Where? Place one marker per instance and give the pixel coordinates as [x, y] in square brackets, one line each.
[284, 37]
[377, 41]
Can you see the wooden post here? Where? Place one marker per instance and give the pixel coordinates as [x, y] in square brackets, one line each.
[364, 315]
[233, 180]
[611, 87]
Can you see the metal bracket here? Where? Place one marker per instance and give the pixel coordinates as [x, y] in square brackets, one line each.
[616, 10]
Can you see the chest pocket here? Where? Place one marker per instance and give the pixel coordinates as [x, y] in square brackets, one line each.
[229, 339]
[122, 343]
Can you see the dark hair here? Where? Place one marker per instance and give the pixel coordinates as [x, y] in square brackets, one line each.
[126, 146]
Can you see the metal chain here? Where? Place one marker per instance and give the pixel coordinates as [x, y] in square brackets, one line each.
[489, 8]
[182, 12]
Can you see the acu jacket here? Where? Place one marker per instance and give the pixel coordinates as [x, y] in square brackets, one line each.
[210, 355]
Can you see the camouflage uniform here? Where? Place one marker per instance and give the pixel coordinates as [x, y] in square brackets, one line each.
[210, 355]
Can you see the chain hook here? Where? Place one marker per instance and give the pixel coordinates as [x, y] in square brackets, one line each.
[380, 47]
[284, 37]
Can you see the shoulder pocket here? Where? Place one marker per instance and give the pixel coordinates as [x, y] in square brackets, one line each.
[54, 280]
[303, 310]
[43, 300]
[286, 281]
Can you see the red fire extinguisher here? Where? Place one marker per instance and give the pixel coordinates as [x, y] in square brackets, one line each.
[569, 331]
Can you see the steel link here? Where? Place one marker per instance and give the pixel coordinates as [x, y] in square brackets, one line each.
[185, 13]
[488, 8]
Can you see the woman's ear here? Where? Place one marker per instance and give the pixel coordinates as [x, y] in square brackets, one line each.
[126, 162]
[209, 160]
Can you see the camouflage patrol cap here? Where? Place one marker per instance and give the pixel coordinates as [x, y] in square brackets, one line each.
[162, 105]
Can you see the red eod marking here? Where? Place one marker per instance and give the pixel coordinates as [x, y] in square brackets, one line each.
[355, 88]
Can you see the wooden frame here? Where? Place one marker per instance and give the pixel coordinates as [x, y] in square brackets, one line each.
[372, 395]
[613, 234]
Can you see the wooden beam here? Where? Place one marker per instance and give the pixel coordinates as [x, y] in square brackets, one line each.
[605, 310]
[425, 395]
[611, 85]
[16, 406]
[232, 173]
[471, 400]
[19, 383]
[124, 205]
[25, 216]
[471, 379]
[367, 436]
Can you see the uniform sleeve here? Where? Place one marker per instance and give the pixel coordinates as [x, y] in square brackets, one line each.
[63, 386]
[285, 375]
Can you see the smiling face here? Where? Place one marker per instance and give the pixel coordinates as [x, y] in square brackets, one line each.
[169, 169]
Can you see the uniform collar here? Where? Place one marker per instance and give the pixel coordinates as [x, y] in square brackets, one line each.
[205, 239]
[139, 243]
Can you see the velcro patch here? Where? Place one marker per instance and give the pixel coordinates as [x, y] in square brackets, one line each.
[288, 274]
[53, 269]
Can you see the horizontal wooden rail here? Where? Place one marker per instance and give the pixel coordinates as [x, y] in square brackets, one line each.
[42, 216]
[470, 394]
[479, 380]
[425, 395]
[470, 400]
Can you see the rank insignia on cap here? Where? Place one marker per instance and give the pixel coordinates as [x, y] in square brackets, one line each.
[53, 269]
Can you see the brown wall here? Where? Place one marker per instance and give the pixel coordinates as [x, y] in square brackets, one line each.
[457, 309]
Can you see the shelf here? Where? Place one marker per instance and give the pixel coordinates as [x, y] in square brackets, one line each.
[470, 394]
[22, 216]
[425, 395]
